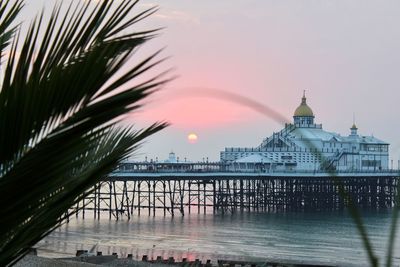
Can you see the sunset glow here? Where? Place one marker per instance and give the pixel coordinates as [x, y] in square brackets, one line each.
[200, 113]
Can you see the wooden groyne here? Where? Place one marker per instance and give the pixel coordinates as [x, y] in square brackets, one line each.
[159, 261]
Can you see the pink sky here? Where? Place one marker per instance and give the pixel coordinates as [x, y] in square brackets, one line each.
[344, 53]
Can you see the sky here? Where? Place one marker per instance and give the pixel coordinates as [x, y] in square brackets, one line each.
[345, 54]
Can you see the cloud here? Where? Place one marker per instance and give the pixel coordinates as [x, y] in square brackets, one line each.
[176, 15]
[165, 14]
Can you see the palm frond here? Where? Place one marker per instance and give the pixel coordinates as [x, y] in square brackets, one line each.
[8, 14]
[60, 102]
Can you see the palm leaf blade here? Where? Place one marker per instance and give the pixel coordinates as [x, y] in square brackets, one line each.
[59, 133]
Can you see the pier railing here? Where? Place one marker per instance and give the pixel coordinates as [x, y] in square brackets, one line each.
[218, 167]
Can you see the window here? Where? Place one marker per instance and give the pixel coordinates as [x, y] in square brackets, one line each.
[371, 163]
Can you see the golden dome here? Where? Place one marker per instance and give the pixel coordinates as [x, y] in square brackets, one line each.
[303, 110]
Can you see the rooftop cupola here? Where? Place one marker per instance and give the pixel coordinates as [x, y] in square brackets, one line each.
[303, 115]
[353, 130]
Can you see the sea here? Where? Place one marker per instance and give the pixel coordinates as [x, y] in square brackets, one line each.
[320, 237]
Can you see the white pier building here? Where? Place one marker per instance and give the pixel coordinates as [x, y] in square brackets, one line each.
[306, 146]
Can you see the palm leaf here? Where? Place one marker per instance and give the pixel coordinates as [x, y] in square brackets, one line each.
[8, 13]
[60, 102]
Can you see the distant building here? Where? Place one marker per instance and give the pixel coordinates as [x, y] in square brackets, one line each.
[172, 158]
[304, 145]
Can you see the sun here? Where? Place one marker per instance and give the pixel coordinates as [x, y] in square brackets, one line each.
[192, 138]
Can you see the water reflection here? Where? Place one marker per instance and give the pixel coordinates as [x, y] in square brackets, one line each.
[317, 237]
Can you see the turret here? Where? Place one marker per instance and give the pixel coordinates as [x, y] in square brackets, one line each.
[353, 130]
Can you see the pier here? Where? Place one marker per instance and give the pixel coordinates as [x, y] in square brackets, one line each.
[300, 168]
[169, 189]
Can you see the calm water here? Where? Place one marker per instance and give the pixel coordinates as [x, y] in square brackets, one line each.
[306, 237]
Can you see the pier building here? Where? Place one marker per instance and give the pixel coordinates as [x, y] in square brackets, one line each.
[304, 145]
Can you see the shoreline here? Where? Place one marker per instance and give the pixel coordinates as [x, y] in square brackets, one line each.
[113, 260]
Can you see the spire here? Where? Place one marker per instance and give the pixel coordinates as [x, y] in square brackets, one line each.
[354, 123]
[304, 99]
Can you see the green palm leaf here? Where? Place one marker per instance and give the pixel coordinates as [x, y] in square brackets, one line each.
[8, 13]
[60, 103]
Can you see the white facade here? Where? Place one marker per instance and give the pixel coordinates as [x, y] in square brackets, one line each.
[304, 145]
